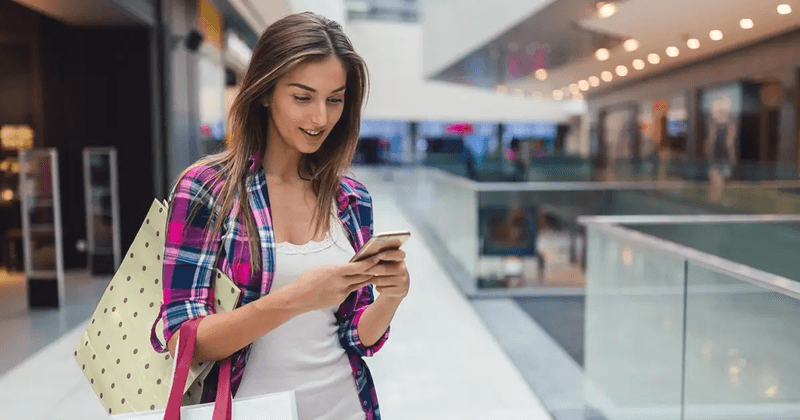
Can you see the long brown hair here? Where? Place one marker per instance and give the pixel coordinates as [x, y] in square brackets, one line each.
[292, 40]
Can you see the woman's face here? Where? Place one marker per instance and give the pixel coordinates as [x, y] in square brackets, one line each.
[306, 104]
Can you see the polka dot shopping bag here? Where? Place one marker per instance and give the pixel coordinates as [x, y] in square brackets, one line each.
[115, 353]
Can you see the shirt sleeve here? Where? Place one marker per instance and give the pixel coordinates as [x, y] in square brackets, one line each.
[361, 299]
[189, 255]
[348, 327]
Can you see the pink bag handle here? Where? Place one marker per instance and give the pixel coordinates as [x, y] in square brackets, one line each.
[223, 403]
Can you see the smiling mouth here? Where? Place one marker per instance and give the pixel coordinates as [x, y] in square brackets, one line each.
[312, 133]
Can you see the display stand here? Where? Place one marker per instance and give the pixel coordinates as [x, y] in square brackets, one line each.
[102, 210]
[41, 227]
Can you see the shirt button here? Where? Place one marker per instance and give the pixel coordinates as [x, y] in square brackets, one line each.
[364, 403]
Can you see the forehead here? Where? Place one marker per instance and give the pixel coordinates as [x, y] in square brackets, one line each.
[323, 76]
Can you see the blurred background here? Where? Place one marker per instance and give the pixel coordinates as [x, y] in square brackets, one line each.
[612, 186]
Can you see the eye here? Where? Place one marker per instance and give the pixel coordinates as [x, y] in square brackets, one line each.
[336, 100]
[301, 98]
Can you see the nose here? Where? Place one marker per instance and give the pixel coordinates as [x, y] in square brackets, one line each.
[320, 115]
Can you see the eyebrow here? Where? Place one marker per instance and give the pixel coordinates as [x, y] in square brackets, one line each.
[314, 90]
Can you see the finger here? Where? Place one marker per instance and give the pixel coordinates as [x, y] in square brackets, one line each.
[359, 267]
[358, 278]
[352, 288]
[386, 268]
[386, 281]
[392, 255]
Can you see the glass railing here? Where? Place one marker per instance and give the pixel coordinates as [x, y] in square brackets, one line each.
[568, 168]
[511, 238]
[686, 329]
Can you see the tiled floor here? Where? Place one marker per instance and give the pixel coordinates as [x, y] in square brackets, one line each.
[441, 362]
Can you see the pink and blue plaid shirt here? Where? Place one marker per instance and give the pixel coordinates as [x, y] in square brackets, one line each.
[189, 263]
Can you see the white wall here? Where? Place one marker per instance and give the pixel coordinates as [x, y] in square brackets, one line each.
[393, 52]
[454, 28]
[331, 9]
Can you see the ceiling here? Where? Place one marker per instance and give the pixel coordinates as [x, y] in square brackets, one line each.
[95, 12]
[572, 31]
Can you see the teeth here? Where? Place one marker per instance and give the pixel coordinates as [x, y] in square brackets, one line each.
[313, 133]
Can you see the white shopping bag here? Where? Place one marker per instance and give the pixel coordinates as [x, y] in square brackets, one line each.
[279, 406]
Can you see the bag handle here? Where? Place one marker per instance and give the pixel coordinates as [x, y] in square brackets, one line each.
[223, 403]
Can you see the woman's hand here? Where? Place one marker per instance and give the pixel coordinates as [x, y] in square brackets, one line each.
[329, 285]
[391, 275]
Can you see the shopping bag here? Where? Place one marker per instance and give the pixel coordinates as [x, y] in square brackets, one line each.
[279, 406]
[115, 353]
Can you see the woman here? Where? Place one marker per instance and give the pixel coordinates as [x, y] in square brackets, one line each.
[275, 214]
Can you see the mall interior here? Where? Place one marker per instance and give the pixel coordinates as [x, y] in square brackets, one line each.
[603, 196]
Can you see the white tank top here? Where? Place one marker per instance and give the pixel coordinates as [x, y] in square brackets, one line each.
[304, 354]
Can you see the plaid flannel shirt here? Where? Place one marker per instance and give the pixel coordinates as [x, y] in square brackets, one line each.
[189, 263]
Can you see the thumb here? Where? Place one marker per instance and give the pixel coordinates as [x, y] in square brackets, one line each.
[359, 267]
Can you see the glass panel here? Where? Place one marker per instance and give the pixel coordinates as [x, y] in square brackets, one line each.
[634, 329]
[742, 353]
[770, 247]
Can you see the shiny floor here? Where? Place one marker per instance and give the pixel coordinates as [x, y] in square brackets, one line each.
[441, 362]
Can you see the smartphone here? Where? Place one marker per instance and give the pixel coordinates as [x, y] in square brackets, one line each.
[381, 242]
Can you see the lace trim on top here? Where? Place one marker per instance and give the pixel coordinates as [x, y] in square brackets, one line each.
[306, 248]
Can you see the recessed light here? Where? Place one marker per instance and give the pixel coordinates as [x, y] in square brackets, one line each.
[583, 85]
[746, 23]
[622, 71]
[673, 51]
[558, 95]
[577, 96]
[653, 58]
[606, 76]
[693, 43]
[594, 81]
[606, 9]
[784, 9]
[541, 74]
[631, 45]
[602, 54]
[574, 88]
[638, 64]
[715, 35]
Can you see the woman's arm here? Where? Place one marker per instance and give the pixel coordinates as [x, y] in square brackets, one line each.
[221, 335]
[376, 319]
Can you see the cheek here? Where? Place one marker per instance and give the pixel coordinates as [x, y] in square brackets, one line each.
[287, 117]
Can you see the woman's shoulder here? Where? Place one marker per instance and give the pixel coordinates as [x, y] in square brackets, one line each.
[355, 189]
[200, 181]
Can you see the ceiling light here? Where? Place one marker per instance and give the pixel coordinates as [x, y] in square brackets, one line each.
[583, 85]
[558, 95]
[631, 45]
[602, 54]
[574, 88]
[578, 97]
[594, 81]
[502, 89]
[606, 76]
[693, 43]
[638, 64]
[746, 23]
[715, 35]
[606, 9]
[622, 71]
[654, 58]
[784, 9]
[673, 51]
[541, 74]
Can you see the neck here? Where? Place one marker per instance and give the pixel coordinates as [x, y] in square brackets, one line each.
[280, 162]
